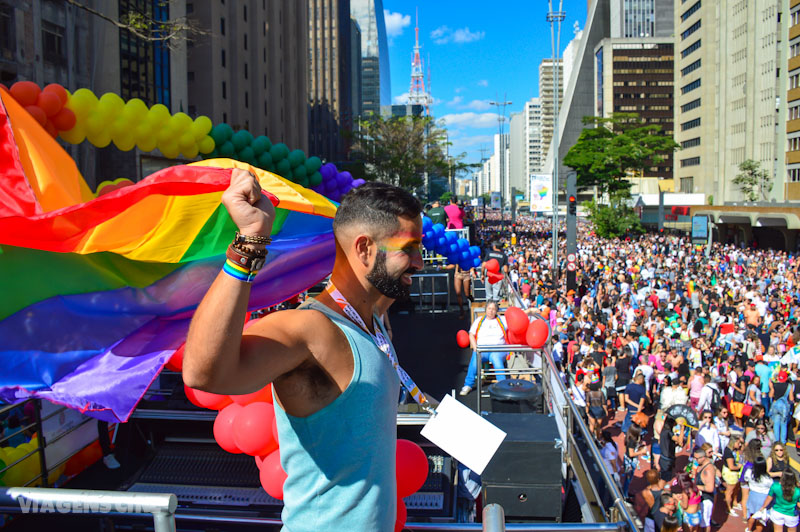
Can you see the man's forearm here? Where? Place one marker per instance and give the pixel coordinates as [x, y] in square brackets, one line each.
[215, 334]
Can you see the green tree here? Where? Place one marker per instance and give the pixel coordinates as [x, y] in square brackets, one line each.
[753, 180]
[400, 150]
[445, 198]
[607, 153]
[615, 220]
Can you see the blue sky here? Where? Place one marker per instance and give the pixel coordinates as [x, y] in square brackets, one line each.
[479, 51]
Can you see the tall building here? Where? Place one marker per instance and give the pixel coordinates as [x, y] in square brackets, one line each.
[329, 76]
[635, 75]
[56, 42]
[729, 81]
[355, 69]
[498, 181]
[517, 151]
[525, 145]
[641, 18]
[376, 86]
[792, 174]
[252, 71]
[547, 97]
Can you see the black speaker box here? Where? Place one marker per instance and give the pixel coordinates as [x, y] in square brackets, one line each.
[524, 476]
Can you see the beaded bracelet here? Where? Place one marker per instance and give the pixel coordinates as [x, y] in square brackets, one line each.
[237, 272]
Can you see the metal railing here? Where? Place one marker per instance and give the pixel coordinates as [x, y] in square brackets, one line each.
[161, 506]
[421, 294]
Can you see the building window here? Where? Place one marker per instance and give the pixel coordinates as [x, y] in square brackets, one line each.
[222, 25]
[691, 29]
[224, 90]
[144, 66]
[245, 71]
[7, 38]
[694, 104]
[691, 143]
[687, 185]
[690, 87]
[53, 48]
[793, 174]
[793, 144]
[245, 41]
[794, 81]
[794, 50]
[190, 76]
[690, 124]
[189, 8]
[691, 11]
[246, 100]
[691, 161]
[691, 48]
[245, 13]
[223, 58]
[691, 68]
[794, 112]
[192, 110]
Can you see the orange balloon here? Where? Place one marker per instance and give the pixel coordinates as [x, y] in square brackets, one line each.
[462, 338]
[25, 92]
[58, 90]
[64, 120]
[37, 113]
[49, 102]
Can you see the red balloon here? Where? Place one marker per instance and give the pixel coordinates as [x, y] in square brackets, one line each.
[272, 475]
[412, 468]
[36, 112]
[25, 92]
[49, 102]
[50, 128]
[259, 461]
[402, 516]
[212, 401]
[223, 428]
[2, 86]
[59, 91]
[494, 277]
[537, 334]
[175, 362]
[64, 120]
[517, 320]
[462, 338]
[253, 429]
[264, 395]
[275, 431]
[516, 339]
[492, 265]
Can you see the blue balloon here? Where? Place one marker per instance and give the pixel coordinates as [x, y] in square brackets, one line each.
[476, 262]
[427, 223]
[475, 251]
[451, 237]
[465, 256]
[463, 245]
[439, 230]
[427, 242]
[453, 248]
[452, 258]
[441, 244]
[466, 264]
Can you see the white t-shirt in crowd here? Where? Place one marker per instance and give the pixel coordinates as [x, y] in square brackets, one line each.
[490, 332]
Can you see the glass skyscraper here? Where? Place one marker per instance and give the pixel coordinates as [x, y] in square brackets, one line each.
[376, 85]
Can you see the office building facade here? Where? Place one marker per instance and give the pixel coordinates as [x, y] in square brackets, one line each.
[547, 94]
[376, 86]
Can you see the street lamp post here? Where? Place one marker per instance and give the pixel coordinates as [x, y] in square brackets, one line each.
[502, 155]
[555, 18]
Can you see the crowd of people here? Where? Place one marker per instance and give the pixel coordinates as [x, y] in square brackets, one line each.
[684, 364]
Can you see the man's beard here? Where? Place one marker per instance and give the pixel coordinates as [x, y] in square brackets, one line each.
[385, 283]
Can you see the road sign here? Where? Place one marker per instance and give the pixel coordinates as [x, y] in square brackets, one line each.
[571, 266]
[571, 257]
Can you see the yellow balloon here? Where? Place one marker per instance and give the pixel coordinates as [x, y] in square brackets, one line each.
[111, 105]
[186, 140]
[191, 152]
[96, 124]
[76, 135]
[125, 142]
[101, 139]
[201, 127]
[136, 110]
[206, 145]
[169, 150]
[165, 136]
[82, 102]
[182, 121]
[147, 144]
[158, 114]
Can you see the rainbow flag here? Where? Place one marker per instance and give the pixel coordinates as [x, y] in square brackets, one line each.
[98, 293]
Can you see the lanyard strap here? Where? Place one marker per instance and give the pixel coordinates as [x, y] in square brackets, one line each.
[382, 343]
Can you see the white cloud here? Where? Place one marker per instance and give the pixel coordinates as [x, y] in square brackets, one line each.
[395, 22]
[444, 35]
[477, 105]
[459, 90]
[474, 140]
[474, 120]
[455, 101]
[401, 99]
[483, 83]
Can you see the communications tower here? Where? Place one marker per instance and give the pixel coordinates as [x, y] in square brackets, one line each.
[417, 93]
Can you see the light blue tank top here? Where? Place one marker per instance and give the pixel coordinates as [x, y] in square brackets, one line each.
[340, 461]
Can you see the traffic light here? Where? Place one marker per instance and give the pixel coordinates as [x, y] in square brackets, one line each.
[572, 205]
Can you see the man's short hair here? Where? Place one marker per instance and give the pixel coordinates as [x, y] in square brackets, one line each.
[376, 205]
[700, 453]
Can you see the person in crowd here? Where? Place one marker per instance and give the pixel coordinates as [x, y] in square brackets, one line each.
[634, 448]
[689, 499]
[635, 396]
[462, 286]
[759, 483]
[777, 462]
[709, 433]
[721, 421]
[669, 437]
[645, 499]
[784, 496]
[487, 330]
[781, 396]
[705, 477]
[731, 469]
[455, 214]
[595, 405]
[436, 213]
[611, 455]
[495, 252]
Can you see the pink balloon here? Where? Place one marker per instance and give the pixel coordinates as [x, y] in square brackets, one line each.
[264, 395]
[223, 428]
[252, 431]
[203, 399]
[272, 475]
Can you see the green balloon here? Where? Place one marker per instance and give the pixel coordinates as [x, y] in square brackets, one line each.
[303, 181]
[261, 144]
[312, 165]
[300, 172]
[265, 160]
[227, 149]
[221, 133]
[246, 155]
[286, 174]
[212, 155]
[296, 158]
[314, 179]
[279, 151]
[242, 139]
[284, 168]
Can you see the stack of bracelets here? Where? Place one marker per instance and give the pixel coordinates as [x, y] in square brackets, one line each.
[245, 256]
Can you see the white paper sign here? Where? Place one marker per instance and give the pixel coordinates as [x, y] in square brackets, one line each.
[463, 434]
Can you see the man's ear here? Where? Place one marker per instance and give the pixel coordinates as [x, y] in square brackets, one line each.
[364, 248]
